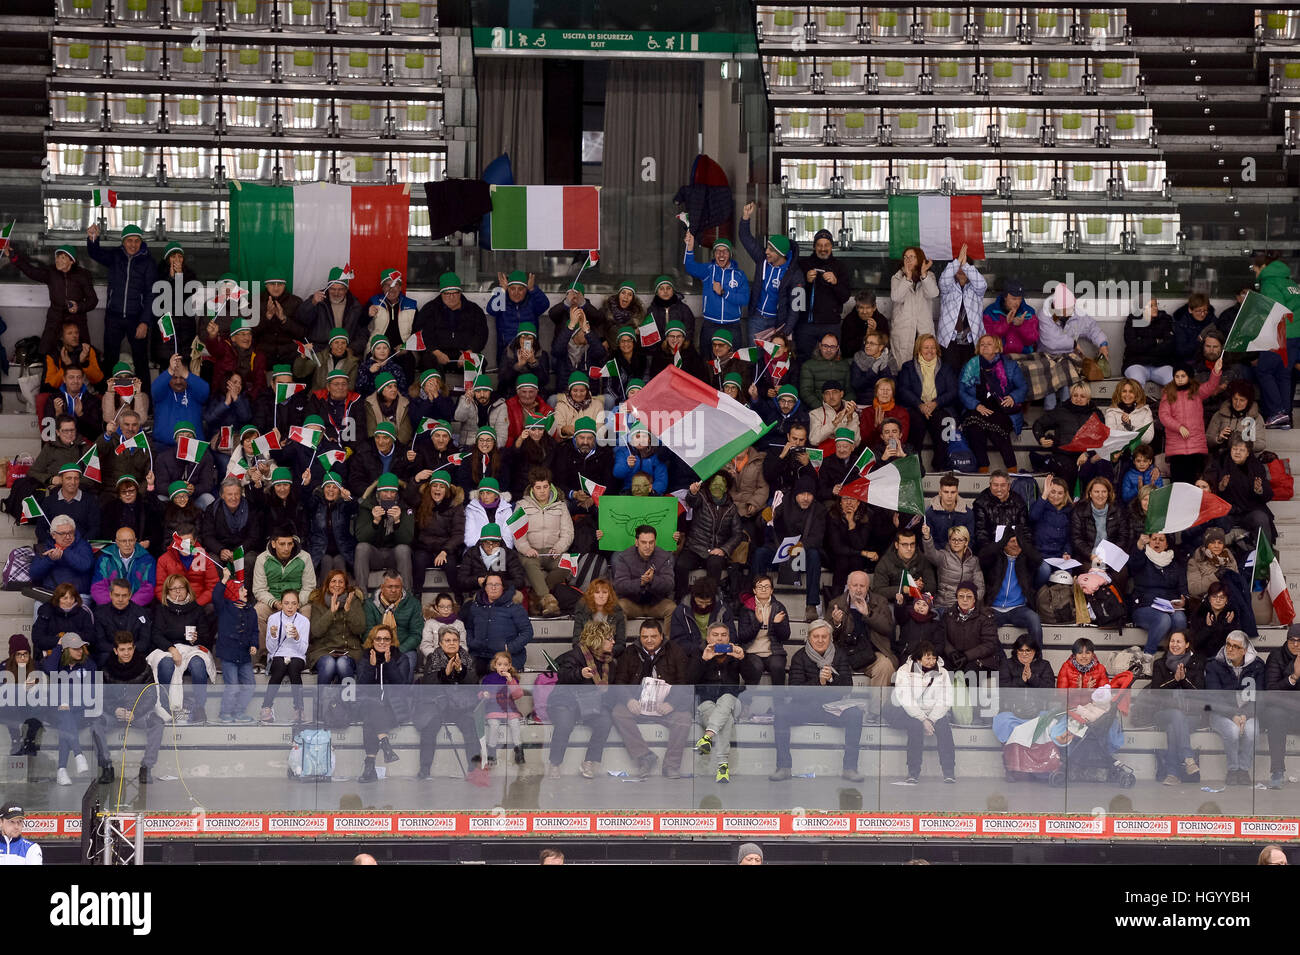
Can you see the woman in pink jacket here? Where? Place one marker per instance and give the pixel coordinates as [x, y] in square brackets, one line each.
[1182, 414]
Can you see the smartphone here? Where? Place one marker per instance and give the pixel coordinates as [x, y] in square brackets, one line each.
[722, 648]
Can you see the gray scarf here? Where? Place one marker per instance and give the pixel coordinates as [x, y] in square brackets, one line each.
[822, 661]
[1174, 662]
[496, 561]
[1099, 519]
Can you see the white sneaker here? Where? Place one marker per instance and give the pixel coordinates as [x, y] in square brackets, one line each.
[63, 778]
[82, 766]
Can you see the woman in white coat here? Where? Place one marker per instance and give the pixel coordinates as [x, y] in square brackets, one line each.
[913, 291]
[923, 698]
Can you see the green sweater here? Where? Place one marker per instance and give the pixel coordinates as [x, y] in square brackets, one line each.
[815, 372]
[368, 532]
[408, 614]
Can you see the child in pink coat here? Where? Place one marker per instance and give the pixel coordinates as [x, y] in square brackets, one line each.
[502, 690]
[1182, 413]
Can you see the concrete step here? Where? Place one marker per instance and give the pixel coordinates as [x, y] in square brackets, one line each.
[228, 753]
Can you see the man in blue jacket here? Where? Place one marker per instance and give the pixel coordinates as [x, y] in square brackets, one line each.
[726, 291]
[68, 560]
[770, 298]
[177, 396]
[129, 313]
[523, 302]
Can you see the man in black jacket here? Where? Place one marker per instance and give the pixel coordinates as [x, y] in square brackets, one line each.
[233, 520]
[125, 671]
[1280, 707]
[571, 461]
[652, 657]
[826, 287]
[117, 616]
[1009, 567]
[786, 461]
[336, 307]
[643, 578]
[382, 454]
[818, 663]
[451, 324]
[802, 517]
[996, 505]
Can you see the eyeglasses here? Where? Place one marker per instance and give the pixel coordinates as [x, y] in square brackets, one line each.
[1293, 639]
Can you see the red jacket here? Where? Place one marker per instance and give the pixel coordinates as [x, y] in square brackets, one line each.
[202, 575]
[1070, 678]
[516, 413]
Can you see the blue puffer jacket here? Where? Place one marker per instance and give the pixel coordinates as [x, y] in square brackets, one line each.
[170, 408]
[1019, 389]
[1050, 527]
[498, 625]
[652, 464]
[74, 567]
[130, 280]
[510, 314]
[236, 626]
[345, 513]
[724, 308]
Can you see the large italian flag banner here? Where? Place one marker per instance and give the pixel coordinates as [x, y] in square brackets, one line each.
[699, 424]
[1260, 326]
[895, 486]
[545, 218]
[1269, 571]
[938, 225]
[309, 229]
[1178, 506]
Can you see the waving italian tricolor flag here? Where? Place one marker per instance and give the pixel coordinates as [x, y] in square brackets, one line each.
[1178, 506]
[1096, 435]
[1260, 326]
[699, 424]
[909, 585]
[938, 225]
[895, 486]
[1269, 570]
[89, 465]
[311, 228]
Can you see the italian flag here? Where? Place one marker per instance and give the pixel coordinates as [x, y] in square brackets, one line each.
[311, 228]
[89, 465]
[1176, 507]
[284, 391]
[167, 327]
[545, 218]
[307, 437]
[1096, 436]
[268, 442]
[125, 392]
[237, 564]
[331, 459]
[183, 544]
[939, 225]
[815, 456]
[909, 585]
[770, 347]
[1269, 570]
[698, 423]
[472, 361]
[139, 442]
[607, 370]
[103, 197]
[517, 523]
[190, 449]
[6, 233]
[895, 486]
[306, 351]
[31, 510]
[863, 464]
[545, 422]
[569, 562]
[751, 354]
[415, 342]
[426, 426]
[592, 488]
[457, 459]
[648, 332]
[1260, 326]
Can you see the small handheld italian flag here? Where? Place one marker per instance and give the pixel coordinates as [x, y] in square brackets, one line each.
[771, 348]
[473, 361]
[200, 351]
[1178, 506]
[415, 342]
[607, 370]
[184, 545]
[815, 456]
[103, 197]
[89, 465]
[592, 488]
[167, 327]
[909, 585]
[236, 564]
[139, 442]
[268, 442]
[190, 449]
[458, 458]
[864, 462]
[517, 523]
[307, 437]
[31, 510]
[5, 234]
[286, 390]
[569, 562]
[426, 426]
[648, 332]
[751, 354]
[331, 459]
[1269, 570]
[677, 358]
[124, 392]
[306, 350]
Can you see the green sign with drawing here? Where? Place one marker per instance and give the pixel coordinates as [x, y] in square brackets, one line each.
[604, 41]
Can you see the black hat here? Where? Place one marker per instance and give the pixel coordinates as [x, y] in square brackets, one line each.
[12, 812]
